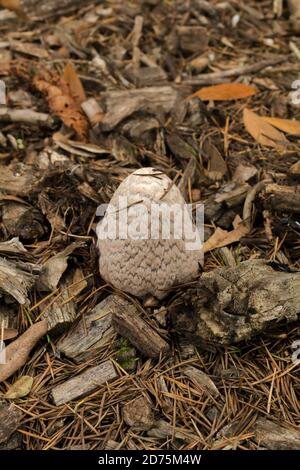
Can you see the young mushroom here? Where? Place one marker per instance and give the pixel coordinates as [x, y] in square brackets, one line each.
[147, 240]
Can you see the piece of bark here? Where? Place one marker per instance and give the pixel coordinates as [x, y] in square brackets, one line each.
[201, 379]
[92, 332]
[17, 352]
[141, 130]
[192, 39]
[138, 414]
[283, 198]
[233, 304]
[36, 9]
[26, 116]
[180, 148]
[14, 442]
[60, 313]
[15, 281]
[21, 221]
[10, 417]
[84, 383]
[276, 437]
[130, 325]
[18, 179]
[147, 76]
[12, 246]
[229, 196]
[152, 100]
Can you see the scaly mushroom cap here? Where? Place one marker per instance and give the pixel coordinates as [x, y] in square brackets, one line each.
[139, 252]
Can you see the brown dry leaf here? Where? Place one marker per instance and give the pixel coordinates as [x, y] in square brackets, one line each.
[262, 131]
[223, 237]
[76, 89]
[8, 333]
[62, 103]
[225, 92]
[18, 351]
[286, 125]
[21, 388]
[217, 167]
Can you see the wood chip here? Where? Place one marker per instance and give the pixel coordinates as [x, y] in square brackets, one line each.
[84, 383]
[129, 324]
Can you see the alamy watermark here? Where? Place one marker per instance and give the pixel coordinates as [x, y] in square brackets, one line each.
[149, 220]
[295, 94]
[2, 93]
[296, 354]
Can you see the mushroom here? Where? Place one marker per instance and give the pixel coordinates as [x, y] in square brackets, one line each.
[147, 240]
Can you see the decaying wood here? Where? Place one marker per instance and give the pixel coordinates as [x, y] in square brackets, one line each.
[26, 116]
[17, 352]
[152, 100]
[60, 313]
[275, 436]
[218, 77]
[10, 417]
[234, 304]
[36, 9]
[283, 198]
[138, 414]
[23, 221]
[229, 196]
[18, 179]
[12, 246]
[15, 281]
[130, 325]
[84, 383]
[192, 38]
[92, 332]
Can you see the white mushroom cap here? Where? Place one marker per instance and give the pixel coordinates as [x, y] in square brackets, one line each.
[143, 257]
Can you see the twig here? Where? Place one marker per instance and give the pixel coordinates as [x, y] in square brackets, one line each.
[216, 77]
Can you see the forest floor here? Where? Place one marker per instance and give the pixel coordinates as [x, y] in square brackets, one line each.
[92, 95]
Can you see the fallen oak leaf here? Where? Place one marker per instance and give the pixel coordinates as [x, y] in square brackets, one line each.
[225, 92]
[222, 237]
[263, 132]
[289, 126]
[17, 352]
[21, 388]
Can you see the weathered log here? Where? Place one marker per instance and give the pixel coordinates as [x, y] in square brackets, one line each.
[229, 305]
[283, 198]
[84, 383]
[92, 332]
[128, 323]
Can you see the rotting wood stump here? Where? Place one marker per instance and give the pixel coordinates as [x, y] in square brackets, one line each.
[229, 305]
